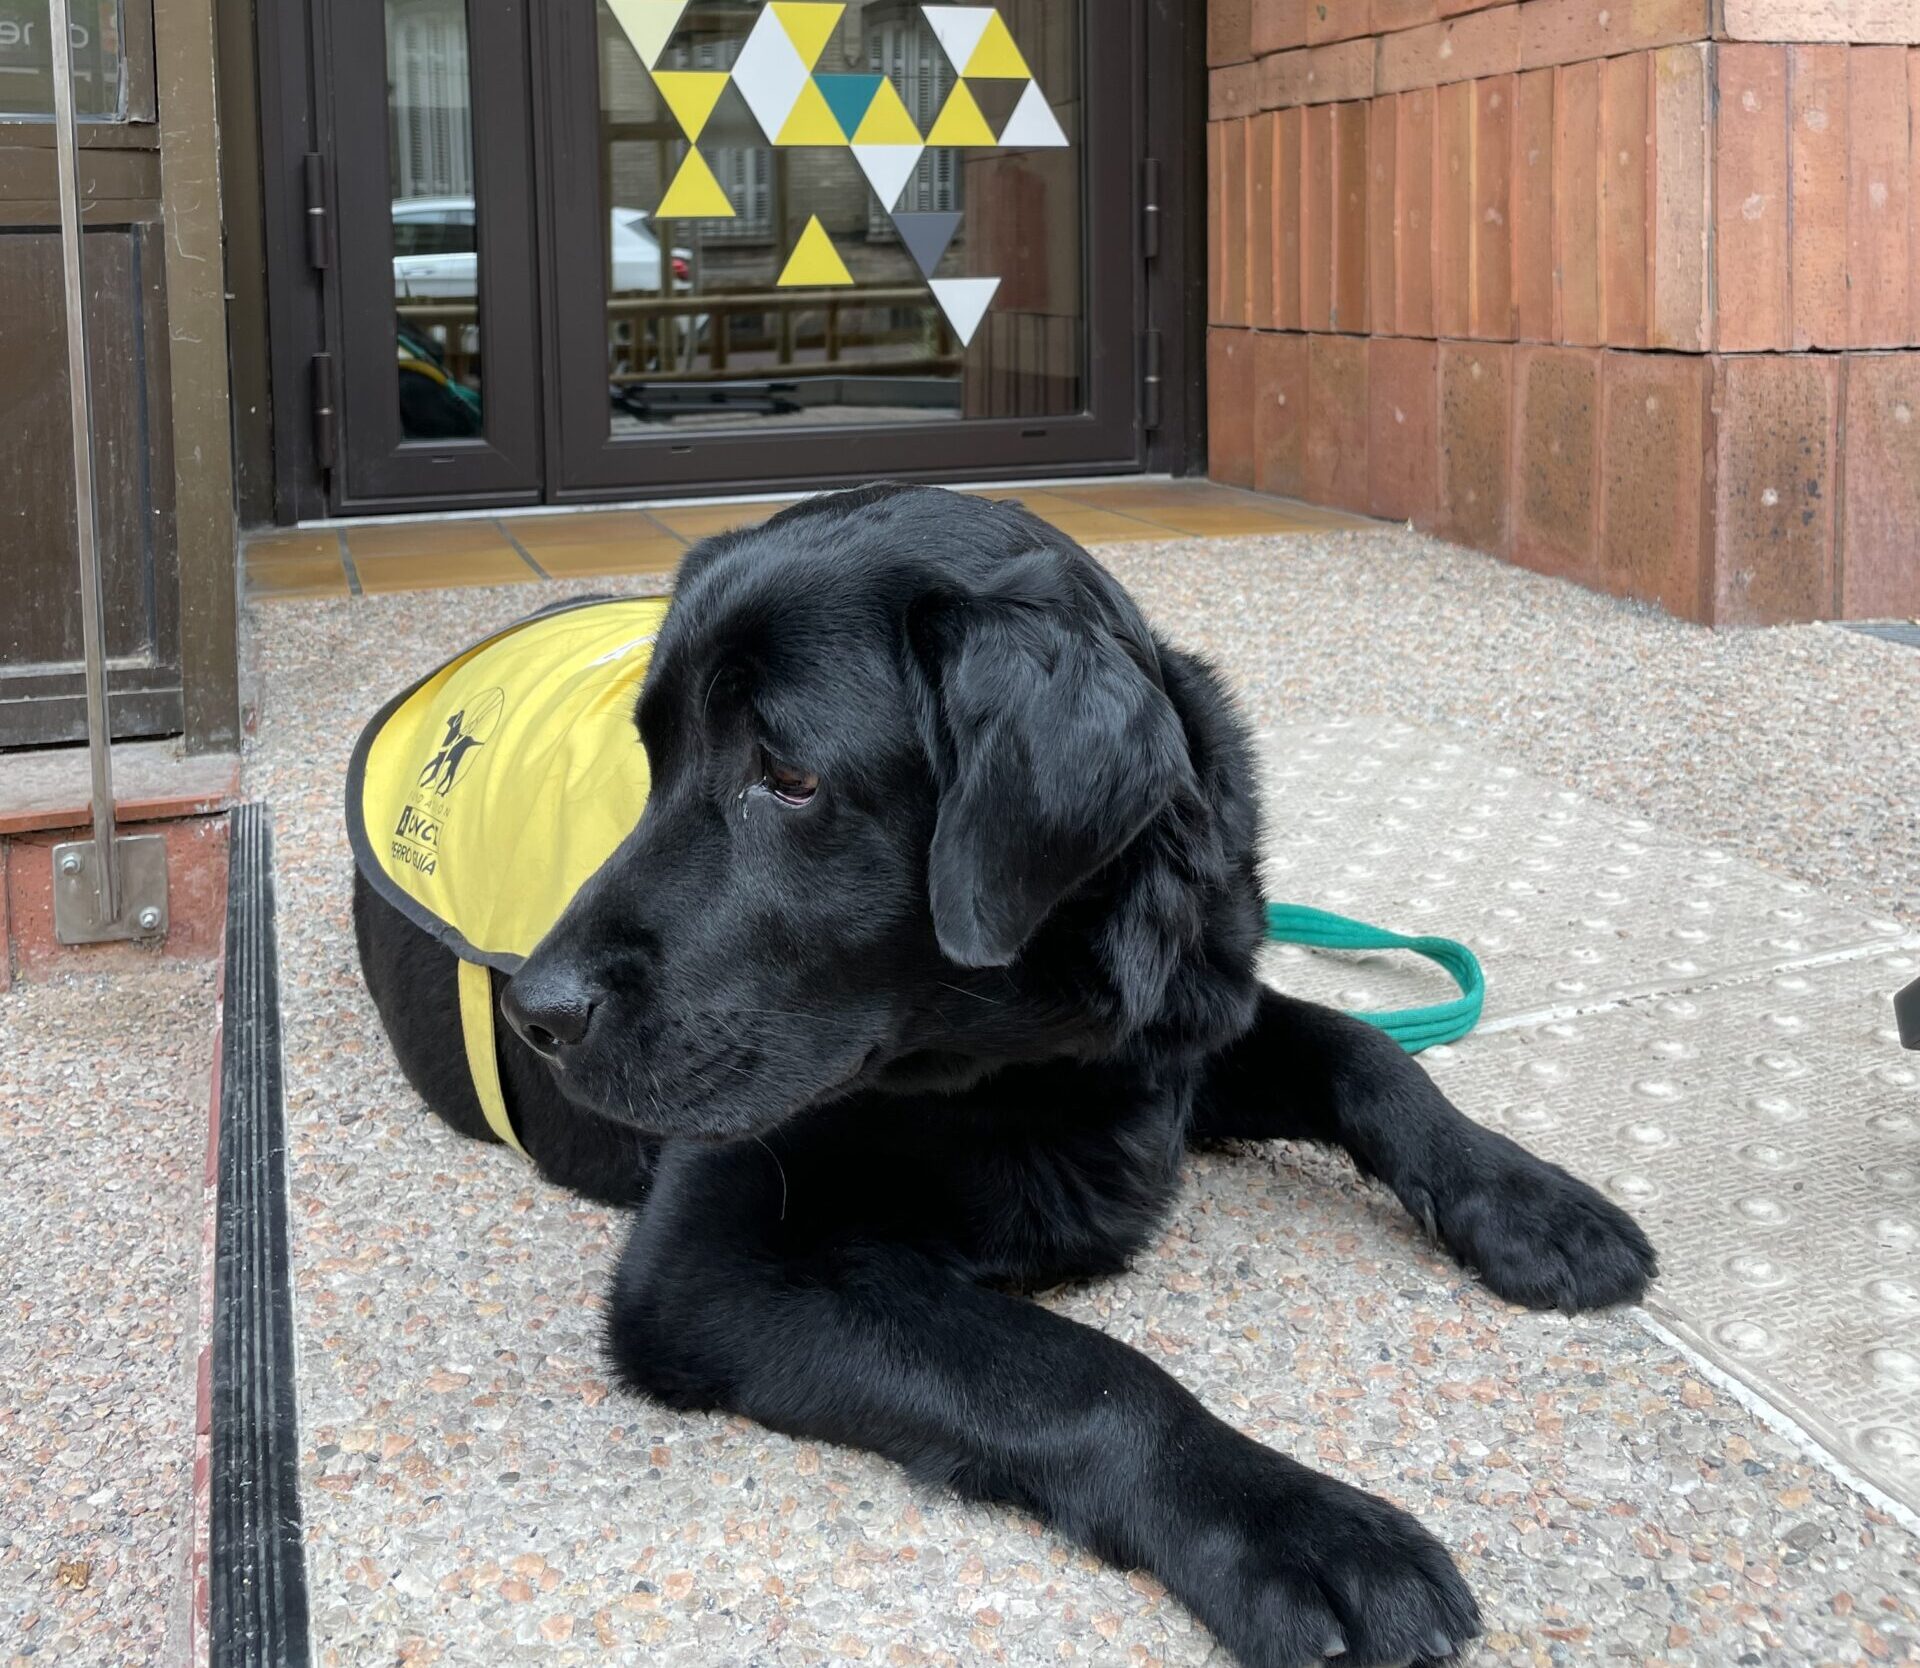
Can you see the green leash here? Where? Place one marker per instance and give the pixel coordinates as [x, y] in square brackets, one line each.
[1412, 1028]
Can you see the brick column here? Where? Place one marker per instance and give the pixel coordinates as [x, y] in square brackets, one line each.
[1627, 292]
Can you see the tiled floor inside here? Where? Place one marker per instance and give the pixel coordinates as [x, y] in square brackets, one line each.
[1678, 858]
[426, 554]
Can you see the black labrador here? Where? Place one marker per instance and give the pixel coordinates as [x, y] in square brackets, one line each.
[931, 955]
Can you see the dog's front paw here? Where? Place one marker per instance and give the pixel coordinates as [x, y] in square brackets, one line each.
[1339, 1575]
[1535, 1234]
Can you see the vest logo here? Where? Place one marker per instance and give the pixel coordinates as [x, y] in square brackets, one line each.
[465, 733]
[467, 730]
[413, 826]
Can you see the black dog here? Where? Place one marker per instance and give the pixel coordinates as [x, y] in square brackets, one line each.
[932, 953]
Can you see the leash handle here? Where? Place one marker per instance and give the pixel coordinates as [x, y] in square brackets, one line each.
[1412, 1028]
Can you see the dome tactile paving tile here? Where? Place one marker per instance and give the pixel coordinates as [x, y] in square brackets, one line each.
[1710, 1043]
[1567, 904]
[1767, 1134]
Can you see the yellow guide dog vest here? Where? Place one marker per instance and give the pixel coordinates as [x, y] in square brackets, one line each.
[481, 799]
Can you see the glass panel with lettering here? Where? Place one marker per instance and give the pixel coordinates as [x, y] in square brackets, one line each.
[827, 214]
[436, 245]
[26, 61]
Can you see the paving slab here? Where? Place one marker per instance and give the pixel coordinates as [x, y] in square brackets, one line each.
[1566, 902]
[51, 787]
[104, 1093]
[1766, 1132]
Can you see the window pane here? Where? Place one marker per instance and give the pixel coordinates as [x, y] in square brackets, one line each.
[436, 258]
[26, 61]
[835, 222]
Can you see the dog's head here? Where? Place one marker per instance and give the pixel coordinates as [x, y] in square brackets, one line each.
[904, 745]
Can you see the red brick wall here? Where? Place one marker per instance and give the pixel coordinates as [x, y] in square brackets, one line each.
[1583, 285]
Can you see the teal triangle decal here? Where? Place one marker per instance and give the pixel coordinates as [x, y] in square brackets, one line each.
[848, 97]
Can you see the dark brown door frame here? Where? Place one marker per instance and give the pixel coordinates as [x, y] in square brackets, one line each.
[377, 469]
[296, 317]
[1175, 95]
[42, 699]
[1170, 101]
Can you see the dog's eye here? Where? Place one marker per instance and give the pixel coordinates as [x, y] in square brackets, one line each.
[785, 783]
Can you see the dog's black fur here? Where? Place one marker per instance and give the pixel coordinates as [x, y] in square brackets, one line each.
[872, 1064]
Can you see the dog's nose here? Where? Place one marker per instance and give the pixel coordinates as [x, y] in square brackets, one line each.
[550, 1007]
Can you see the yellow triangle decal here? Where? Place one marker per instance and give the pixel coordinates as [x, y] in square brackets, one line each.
[695, 194]
[691, 96]
[811, 121]
[960, 122]
[886, 121]
[809, 25]
[996, 57]
[814, 263]
[647, 24]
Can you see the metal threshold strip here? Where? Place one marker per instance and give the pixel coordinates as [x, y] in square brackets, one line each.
[258, 1579]
[1890, 631]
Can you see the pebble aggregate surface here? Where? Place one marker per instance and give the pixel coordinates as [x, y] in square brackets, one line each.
[104, 1086]
[475, 1491]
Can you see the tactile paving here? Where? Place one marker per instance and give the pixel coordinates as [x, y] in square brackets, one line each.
[1712, 1044]
[1767, 1134]
[1566, 903]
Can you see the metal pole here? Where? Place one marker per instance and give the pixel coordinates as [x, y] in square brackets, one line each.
[86, 508]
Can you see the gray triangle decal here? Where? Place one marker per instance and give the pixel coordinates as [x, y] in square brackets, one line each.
[927, 237]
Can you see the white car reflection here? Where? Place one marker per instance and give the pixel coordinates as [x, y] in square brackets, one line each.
[436, 255]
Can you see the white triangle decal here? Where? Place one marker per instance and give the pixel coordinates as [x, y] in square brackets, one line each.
[888, 168]
[1033, 125]
[959, 29]
[648, 24]
[769, 74]
[965, 302]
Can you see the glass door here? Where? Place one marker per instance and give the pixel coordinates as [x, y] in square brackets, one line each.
[797, 242]
[431, 287]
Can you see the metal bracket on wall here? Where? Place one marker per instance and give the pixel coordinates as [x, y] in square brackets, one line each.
[78, 913]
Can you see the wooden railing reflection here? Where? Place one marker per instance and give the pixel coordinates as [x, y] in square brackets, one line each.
[697, 338]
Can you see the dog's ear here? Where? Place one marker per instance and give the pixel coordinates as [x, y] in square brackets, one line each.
[1053, 746]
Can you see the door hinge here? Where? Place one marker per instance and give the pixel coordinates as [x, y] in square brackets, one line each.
[1150, 380]
[326, 416]
[1150, 207]
[317, 216]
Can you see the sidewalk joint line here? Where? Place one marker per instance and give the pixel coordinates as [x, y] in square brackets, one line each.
[1724, 978]
[1776, 1418]
[524, 554]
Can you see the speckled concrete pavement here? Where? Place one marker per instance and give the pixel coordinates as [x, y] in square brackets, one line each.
[475, 1493]
[104, 1086]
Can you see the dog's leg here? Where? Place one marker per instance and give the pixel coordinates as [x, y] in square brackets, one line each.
[877, 1345]
[1535, 1234]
